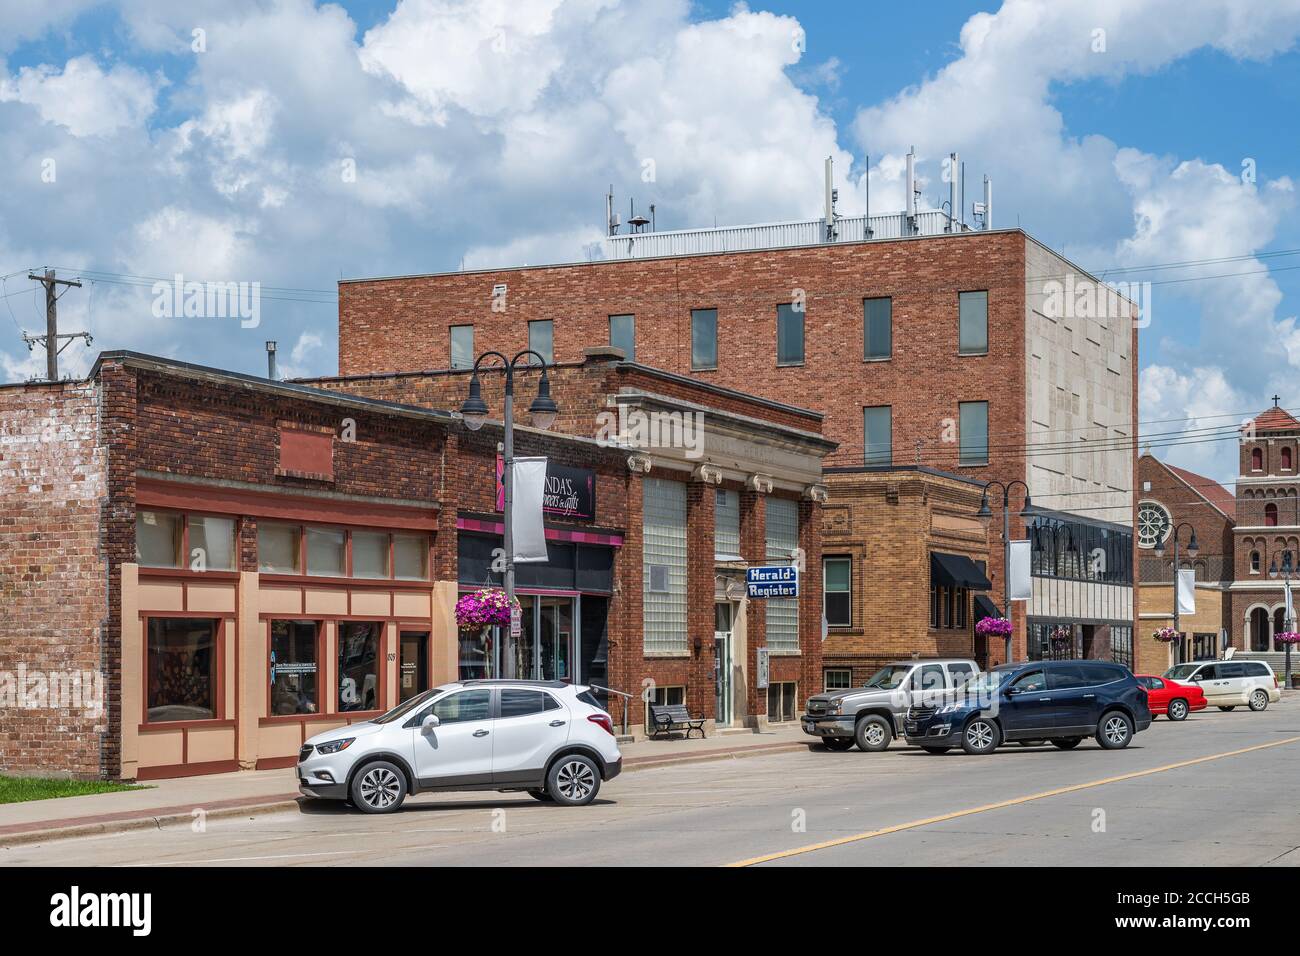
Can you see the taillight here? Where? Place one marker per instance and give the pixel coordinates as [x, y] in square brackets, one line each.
[604, 721]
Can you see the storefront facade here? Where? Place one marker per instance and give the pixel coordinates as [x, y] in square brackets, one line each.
[269, 560]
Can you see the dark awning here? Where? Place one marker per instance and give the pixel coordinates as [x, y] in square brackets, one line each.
[956, 571]
[984, 607]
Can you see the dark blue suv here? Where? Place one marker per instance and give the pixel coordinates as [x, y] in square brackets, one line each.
[1060, 701]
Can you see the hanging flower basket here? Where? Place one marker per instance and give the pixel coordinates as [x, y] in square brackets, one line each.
[1062, 634]
[1166, 635]
[1287, 637]
[484, 608]
[993, 627]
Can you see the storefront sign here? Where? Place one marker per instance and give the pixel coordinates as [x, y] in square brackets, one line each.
[778, 581]
[570, 493]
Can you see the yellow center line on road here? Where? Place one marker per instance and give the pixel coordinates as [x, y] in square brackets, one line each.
[884, 831]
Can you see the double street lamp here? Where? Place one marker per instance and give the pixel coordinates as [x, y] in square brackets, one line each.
[474, 412]
[1289, 623]
[985, 514]
[1193, 549]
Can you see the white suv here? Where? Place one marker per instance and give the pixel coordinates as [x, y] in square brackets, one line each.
[547, 738]
[1230, 684]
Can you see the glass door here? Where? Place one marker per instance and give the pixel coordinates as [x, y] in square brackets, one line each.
[413, 665]
[722, 663]
[555, 639]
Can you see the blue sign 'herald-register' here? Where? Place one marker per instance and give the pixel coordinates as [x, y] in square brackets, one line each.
[773, 581]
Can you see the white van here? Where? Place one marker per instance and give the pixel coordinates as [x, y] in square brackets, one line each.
[1230, 684]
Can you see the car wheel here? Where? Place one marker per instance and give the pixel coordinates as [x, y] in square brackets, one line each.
[1226, 709]
[838, 743]
[378, 787]
[936, 750]
[1114, 730]
[1258, 699]
[1066, 743]
[873, 734]
[981, 736]
[573, 781]
[541, 795]
[1178, 709]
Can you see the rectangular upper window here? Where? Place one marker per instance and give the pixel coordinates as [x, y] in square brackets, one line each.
[877, 328]
[973, 423]
[326, 552]
[704, 338]
[878, 436]
[370, 554]
[726, 525]
[194, 542]
[789, 334]
[837, 591]
[973, 323]
[622, 334]
[541, 339]
[462, 346]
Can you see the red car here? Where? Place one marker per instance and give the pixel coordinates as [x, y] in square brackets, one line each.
[1165, 696]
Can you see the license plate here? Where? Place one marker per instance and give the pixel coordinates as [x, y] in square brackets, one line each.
[809, 727]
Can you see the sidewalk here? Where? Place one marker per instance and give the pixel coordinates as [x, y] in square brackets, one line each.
[267, 791]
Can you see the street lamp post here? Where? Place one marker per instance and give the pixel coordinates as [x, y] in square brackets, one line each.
[985, 514]
[1289, 624]
[474, 412]
[1193, 549]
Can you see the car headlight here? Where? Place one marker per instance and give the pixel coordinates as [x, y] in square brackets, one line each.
[334, 746]
[951, 708]
[834, 708]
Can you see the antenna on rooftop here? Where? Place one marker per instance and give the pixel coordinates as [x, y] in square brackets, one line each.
[911, 191]
[831, 197]
[611, 217]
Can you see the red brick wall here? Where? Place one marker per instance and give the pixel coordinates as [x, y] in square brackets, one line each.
[52, 576]
[402, 325]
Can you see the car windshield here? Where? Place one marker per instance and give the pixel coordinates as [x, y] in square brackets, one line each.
[887, 678]
[408, 706]
[1181, 671]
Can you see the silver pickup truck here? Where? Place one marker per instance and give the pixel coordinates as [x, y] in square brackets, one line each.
[872, 715]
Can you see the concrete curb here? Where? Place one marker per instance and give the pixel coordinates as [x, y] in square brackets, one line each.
[256, 806]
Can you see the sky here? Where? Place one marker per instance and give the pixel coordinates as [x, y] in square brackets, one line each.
[293, 143]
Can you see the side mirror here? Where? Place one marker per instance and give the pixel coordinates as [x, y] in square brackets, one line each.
[429, 724]
[1012, 691]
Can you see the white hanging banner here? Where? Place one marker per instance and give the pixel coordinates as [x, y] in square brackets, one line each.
[1186, 591]
[1289, 621]
[1019, 584]
[527, 488]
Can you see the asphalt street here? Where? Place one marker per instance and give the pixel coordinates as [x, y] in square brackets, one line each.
[1216, 789]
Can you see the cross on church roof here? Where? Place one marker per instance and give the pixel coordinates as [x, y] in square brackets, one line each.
[1276, 399]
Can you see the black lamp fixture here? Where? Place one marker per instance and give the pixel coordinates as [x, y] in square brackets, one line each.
[543, 409]
[474, 410]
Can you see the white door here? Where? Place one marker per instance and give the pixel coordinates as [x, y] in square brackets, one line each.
[722, 664]
[530, 726]
[1232, 676]
[459, 750]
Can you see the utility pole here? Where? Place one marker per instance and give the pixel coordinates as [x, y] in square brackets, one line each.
[52, 337]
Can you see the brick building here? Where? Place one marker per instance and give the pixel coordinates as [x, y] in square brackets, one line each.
[202, 568]
[913, 528]
[1175, 497]
[1266, 534]
[982, 354]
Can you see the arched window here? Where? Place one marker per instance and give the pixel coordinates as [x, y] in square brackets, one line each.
[1270, 515]
[1257, 459]
[1286, 458]
[1254, 562]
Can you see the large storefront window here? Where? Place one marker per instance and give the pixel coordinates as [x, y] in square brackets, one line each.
[182, 669]
[359, 665]
[294, 668]
[782, 541]
[664, 549]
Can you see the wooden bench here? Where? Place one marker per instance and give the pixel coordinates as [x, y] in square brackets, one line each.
[666, 717]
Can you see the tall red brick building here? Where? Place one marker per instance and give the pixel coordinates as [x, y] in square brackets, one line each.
[979, 354]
